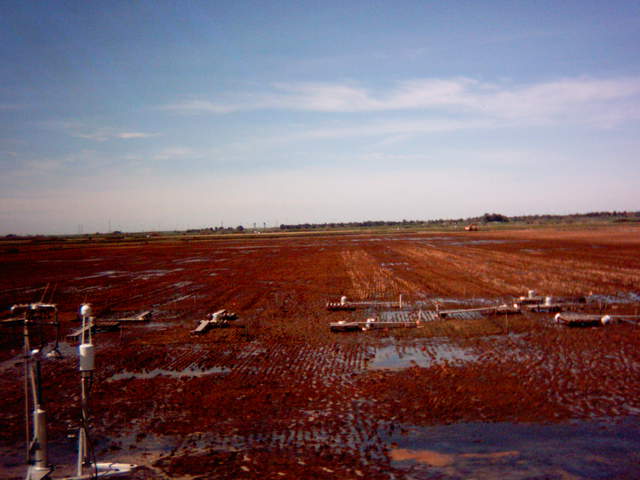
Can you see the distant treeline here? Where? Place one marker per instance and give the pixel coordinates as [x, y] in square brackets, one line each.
[484, 219]
[487, 218]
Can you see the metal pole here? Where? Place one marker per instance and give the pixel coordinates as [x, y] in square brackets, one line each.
[38, 468]
[26, 388]
[86, 368]
[82, 436]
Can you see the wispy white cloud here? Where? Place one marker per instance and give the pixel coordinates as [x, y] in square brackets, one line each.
[98, 134]
[103, 134]
[128, 135]
[176, 153]
[397, 128]
[87, 163]
[596, 100]
[32, 171]
[205, 106]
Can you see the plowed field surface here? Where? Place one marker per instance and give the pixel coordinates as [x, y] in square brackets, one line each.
[277, 395]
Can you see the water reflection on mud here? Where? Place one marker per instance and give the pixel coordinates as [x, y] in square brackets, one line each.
[396, 356]
[189, 372]
[574, 450]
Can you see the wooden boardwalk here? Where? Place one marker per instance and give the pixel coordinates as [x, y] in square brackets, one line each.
[102, 326]
[219, 319]
[574, 319]
[142, 317]
[364, 304]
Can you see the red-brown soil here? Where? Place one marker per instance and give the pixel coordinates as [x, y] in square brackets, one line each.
[280, 396]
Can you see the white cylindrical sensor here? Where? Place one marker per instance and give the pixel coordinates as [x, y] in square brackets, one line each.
[87, 357]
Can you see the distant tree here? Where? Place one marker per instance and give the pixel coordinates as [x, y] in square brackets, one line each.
[495, 217]
[239, 228]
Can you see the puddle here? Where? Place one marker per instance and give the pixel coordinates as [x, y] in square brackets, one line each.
[181, 261]
[479, 242]
[574, 450]
[474, 302]
[154, 273]
[152, 325]
[78, 290]
[178, 299]
[157, 372]
[66, 349]
[425, 354]
[437, 239]
[106, 273]
[620, 297]
[437, 459]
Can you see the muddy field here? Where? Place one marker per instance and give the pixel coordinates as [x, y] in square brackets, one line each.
[280, 396]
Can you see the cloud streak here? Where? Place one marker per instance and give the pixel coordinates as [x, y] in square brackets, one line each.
[100, 134]
[599, 101]
[104, 134]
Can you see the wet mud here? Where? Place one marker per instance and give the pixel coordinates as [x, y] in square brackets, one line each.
[280, 396]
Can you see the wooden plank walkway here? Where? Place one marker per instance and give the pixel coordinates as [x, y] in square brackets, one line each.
[219, 319]
[142, 317]
[574, 319]
[350, 306]
[492, 310]
[370, 324]
[413, 319]
[12, 321]
[96, 327]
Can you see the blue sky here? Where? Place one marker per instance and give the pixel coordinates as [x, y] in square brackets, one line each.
[164, 115]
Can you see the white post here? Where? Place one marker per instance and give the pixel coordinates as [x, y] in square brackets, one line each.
[86, 361]
[39, 468]
[40, 429]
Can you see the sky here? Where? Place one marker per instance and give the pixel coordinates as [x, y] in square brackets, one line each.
[159, 115]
